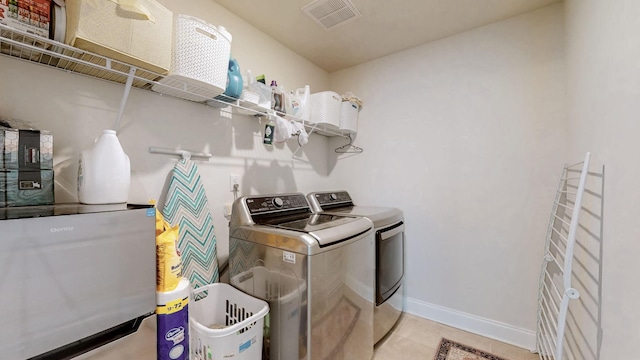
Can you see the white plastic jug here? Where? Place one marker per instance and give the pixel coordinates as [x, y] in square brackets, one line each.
[303, 95]
[104, 173]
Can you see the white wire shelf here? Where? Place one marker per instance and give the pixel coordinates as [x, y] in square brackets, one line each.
[24, 46]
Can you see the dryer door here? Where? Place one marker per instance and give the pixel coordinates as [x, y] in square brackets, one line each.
[389, 261]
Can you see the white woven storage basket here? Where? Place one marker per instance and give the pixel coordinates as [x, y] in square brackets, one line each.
[325, 108]
[200, 58]
[325, 111]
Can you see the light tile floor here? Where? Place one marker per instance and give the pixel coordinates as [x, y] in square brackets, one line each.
[417, 338]
[412, 338]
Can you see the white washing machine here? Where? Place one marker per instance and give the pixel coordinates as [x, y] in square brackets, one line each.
[389, 233]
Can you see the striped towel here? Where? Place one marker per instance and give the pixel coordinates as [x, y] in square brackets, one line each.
[187, 205]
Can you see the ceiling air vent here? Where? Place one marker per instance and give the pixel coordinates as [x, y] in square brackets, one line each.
[331, 13]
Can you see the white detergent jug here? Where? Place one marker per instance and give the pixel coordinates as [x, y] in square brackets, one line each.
[104, 173]
[304, 97]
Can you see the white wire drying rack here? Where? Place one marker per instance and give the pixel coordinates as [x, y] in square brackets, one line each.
[555, 289]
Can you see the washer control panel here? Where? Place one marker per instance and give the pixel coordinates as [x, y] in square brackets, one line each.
[265, 204]
[337, 197]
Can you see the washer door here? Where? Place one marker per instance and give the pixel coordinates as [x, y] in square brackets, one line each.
[389, 261]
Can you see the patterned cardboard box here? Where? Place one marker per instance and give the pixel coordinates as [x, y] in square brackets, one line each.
[26, 187]
[26, 149]
[32, 16]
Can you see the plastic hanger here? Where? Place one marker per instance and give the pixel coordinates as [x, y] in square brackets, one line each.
[349, 148]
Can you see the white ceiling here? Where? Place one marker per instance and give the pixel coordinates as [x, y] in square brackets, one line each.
[386, 27]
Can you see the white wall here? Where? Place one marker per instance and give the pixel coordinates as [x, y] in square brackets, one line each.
[77, 109]
[467, 136]
[603, 91]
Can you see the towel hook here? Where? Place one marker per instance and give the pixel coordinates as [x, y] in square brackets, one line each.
[186, 155]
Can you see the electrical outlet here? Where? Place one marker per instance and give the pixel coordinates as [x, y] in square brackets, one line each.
[234, 180]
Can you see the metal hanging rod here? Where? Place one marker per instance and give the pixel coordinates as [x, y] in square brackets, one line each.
[184, 153]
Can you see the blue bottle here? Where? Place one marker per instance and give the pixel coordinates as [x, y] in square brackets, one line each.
[234, 85]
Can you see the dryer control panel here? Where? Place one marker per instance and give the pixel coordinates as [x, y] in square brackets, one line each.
[341, 198]
[267, 204]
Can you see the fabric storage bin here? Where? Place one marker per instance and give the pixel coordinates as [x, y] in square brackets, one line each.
[227, 323]
[200, 58]
[139, 34]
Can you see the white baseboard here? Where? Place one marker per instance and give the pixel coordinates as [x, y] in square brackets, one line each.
[506, 333]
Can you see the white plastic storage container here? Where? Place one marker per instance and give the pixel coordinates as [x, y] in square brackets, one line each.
[200, 58]
[325, 109]
[226, 324]
[349, 116]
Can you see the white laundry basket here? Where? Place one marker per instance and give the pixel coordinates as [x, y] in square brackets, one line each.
[200, 59]
[285, 294]
[226, 324]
